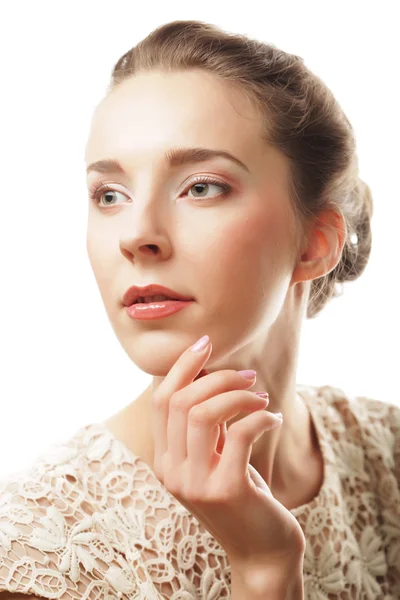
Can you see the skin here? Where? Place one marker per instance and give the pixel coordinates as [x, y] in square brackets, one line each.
[235, 255]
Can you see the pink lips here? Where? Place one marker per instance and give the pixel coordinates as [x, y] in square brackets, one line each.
[155, 310]
[136, 291]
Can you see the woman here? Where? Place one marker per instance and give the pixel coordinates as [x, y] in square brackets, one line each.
[233, 182]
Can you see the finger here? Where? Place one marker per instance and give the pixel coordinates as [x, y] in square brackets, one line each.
[203, 426]
[184, 370]
[197, 393]
[202, 373]
[241, 436]
[223, 430]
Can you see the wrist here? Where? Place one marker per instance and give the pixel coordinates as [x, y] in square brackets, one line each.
[270, 581]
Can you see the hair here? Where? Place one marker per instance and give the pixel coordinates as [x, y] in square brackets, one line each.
[299, 116]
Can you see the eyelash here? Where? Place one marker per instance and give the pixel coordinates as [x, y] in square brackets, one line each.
[95, 189]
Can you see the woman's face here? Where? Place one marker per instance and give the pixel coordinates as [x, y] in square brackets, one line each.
[231, 252]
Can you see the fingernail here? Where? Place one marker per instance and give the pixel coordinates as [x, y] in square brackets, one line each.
[248, 374]
[200, 344]
[262, 394]
[278, 415]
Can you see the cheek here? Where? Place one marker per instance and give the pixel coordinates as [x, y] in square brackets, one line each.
[249, 244]
[245, 260]
[237, 257]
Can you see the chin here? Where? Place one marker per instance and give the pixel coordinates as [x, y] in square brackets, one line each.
[152, 351]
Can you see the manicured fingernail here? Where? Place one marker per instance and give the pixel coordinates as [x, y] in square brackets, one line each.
[248, 374]
[200, 344]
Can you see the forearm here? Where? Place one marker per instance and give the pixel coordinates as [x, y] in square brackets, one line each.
[271, 583]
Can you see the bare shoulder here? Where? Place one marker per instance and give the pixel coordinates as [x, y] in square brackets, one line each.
[10, 596]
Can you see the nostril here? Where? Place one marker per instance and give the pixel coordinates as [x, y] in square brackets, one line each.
[149, 248]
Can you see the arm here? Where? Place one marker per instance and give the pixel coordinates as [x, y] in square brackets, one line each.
[270, 583]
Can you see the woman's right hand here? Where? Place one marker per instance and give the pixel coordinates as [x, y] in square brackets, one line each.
[222, 490]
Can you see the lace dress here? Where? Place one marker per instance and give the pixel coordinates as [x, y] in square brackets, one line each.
[88, 520]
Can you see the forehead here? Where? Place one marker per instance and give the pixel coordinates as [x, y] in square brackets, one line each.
[158, 110]
[150, 112]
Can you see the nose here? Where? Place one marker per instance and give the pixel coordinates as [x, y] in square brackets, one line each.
[149, 249]
[146, 232]
[134, 252]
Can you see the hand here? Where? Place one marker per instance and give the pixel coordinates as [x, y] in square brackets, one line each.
[221, 489]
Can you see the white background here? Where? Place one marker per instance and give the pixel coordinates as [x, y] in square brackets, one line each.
[61, 364]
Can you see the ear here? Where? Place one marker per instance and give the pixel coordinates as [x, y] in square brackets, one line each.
[325, 240]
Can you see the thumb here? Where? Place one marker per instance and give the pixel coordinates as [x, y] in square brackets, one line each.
[258, 481]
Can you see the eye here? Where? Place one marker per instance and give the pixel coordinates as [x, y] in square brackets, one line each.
[207, 181]
[97, 191]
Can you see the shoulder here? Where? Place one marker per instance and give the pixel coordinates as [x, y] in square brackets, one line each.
[358, 409]
[64, 532]
[366, 422]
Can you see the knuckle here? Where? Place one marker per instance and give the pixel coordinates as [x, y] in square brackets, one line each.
[193, 494]
[156, 399]
[177, 402]
[172, 483]
[198, 417]
[240, 433]
[229, 374]
[221, 378]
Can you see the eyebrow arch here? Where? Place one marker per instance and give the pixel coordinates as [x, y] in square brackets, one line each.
[173, 157]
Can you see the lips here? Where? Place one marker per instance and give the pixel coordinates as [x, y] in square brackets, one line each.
[153, 299]
[135, 292]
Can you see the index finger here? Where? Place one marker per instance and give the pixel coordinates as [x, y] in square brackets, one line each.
[185, 369]
[188, 367]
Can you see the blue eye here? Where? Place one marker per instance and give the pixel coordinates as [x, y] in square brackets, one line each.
[96, 191]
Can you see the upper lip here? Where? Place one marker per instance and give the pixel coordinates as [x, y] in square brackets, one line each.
[153, 289]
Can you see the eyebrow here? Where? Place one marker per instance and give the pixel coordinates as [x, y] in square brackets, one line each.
[174, 157]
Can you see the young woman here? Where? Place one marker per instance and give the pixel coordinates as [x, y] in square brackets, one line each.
[225, 207]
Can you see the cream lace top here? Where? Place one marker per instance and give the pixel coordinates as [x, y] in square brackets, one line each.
[88, 520]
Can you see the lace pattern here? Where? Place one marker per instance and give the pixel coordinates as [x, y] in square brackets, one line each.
[89, 520]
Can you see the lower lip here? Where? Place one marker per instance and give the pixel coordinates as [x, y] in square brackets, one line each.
[156, 310]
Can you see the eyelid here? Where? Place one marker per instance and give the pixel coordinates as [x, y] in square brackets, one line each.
[97, 187]
[192, 179]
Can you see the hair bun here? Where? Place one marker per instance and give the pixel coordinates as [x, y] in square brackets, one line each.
[357, 249]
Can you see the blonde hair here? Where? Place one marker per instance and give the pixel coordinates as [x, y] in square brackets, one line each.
[300, 117]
